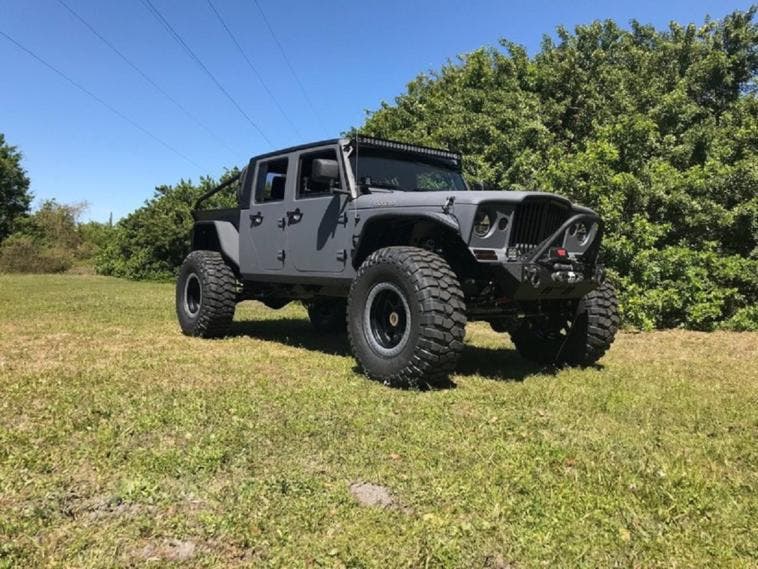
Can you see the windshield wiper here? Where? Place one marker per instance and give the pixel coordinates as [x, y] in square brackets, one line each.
[384, 185]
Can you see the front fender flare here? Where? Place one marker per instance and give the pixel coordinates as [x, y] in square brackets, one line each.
[446, 221]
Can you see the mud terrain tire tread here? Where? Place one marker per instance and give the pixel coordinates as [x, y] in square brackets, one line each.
[219, 288]
[436, 340]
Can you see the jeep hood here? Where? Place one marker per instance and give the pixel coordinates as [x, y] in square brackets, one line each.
[385, 199]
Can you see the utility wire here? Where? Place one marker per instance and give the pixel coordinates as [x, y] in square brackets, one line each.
[99, 100]
[172, 32]
[287, 61]
[147, 78]
[252, 67]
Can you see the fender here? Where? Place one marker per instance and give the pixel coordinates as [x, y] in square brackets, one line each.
[219, 236]
[447, 220]
[363, 229]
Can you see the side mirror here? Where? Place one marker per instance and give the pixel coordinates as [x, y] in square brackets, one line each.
[325, 171]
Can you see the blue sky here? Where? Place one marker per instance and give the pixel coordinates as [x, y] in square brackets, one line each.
[348, 56]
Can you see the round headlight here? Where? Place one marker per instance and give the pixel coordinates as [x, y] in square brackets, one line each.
[482, 224]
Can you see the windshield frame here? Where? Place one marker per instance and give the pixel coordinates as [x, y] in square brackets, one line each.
[401, 156]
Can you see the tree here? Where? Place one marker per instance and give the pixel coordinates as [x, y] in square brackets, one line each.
[48, 241]
[15, 197]
[152, 241]
[655, 130]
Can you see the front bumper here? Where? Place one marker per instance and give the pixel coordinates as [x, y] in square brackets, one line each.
[541, 274]
[536, 281]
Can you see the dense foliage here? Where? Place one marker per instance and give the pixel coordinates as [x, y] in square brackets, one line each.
[152, 241]
[655, 130]
[51, 240]
[15, 197]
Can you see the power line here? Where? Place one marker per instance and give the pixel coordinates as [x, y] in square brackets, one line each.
[287, 61]
[101, 101]
[149, 5]
[146, 77]
[252, 67]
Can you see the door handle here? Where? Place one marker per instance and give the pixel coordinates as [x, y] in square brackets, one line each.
[295, 215]
[256, 218]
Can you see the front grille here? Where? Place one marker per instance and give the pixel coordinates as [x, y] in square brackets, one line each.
[534, 221]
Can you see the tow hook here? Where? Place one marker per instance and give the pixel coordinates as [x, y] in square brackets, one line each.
[531, 274]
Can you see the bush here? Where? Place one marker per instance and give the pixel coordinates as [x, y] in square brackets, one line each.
[22, 254]
[744, 320]
[152, 241]
[682, 287]
[52, 240]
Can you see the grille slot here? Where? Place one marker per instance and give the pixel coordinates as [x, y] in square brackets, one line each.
[535, 221]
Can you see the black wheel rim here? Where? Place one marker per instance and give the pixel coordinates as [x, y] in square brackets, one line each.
[193, 295]
[387, 319]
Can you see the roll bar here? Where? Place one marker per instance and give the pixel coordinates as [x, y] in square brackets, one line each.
[216, 190]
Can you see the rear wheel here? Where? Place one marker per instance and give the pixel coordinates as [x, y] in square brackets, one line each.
[406, 317]
[206, 295]
[328, 315]
[578, 339]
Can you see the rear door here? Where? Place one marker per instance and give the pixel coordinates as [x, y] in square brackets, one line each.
[318, 219]
[263, 225]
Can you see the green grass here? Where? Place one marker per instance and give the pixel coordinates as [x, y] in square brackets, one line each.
[124, 443]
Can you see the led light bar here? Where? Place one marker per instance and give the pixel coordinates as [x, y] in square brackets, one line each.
[404, 147]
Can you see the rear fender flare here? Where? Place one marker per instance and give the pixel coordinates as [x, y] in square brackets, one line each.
[219, 236]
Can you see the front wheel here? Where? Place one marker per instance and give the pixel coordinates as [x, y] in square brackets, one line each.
[577, 339]
[206, 295]
[406, 317]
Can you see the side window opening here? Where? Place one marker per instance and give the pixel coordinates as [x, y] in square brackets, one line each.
[271, 181]
[310, 184]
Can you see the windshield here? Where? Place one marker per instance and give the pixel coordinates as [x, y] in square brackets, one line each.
[405, 172]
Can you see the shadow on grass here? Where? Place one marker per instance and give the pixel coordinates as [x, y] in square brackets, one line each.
[502, 364]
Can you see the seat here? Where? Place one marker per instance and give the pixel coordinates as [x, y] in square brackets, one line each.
[277, 188]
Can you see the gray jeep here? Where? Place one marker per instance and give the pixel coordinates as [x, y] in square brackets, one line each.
[386, 239]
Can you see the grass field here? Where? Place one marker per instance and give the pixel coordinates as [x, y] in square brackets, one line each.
[124, 443]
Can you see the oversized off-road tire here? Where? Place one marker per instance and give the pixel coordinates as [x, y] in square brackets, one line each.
[328, 315]
[578, 340]
[206, 295]
[406, 317]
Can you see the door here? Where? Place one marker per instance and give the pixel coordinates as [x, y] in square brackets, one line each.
[319, 220]
[263, 226]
